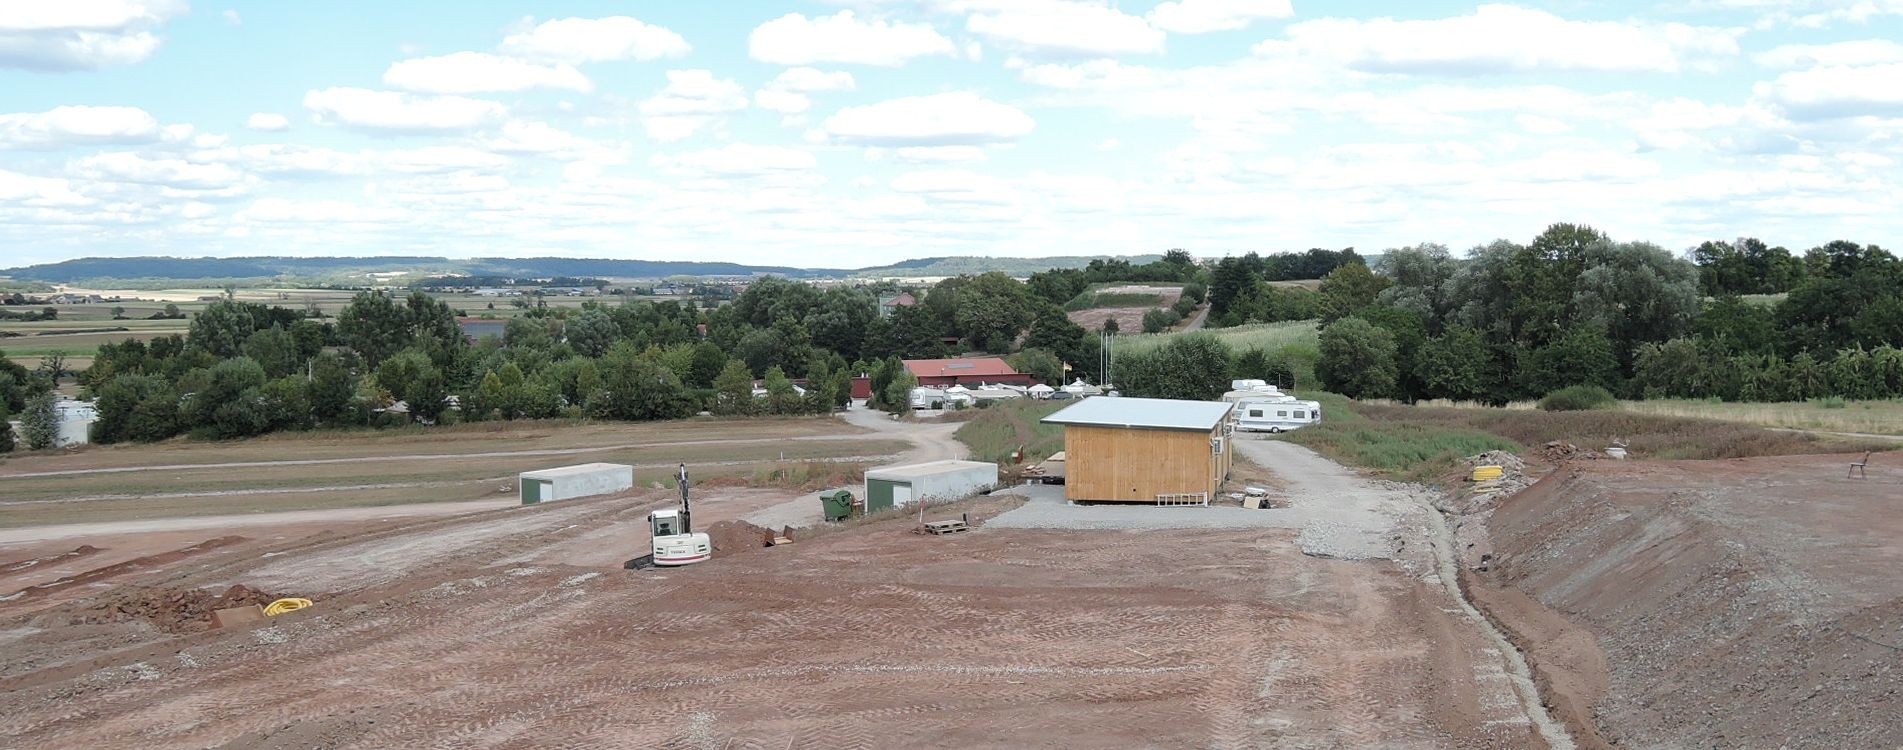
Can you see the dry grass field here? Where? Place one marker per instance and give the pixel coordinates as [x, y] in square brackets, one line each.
[307, 471]
[1866, 417]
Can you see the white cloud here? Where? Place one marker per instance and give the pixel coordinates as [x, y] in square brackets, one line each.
[958, 118]
[1205, 16]
[1540, 125]
[738, 159]
[1063, 28]
[124, 166]
[930, 154]
[584, 40]
[1504, 39]
[956, 185]
[283, 210]
[270, 122]
[81, 34]
[232, 17]
[786, 94]
[38, 192]
[1837, 92]
[396, 112]
[60, 127]
[1863, 52]
[693, 99]
[524, 137]
[794, 39]
[477, 72]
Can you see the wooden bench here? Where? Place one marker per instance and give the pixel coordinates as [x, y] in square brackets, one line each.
[1857, 469]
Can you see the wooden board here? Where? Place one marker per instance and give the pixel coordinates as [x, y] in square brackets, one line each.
[1114, 464]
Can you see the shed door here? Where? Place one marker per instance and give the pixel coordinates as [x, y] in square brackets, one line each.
[531, 491]
[901, 494]
[878, 495]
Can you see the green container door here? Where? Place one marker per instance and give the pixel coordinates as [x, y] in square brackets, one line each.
[531, 491]
[879, 495]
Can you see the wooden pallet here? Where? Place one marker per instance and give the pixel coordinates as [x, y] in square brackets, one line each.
[953, 526]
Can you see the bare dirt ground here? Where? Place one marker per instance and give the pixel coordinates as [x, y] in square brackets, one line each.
[872, 637]
[1129, 319]
[517, 627]
[1734, 603]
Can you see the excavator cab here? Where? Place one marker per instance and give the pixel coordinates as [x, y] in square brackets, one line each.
[665, 523]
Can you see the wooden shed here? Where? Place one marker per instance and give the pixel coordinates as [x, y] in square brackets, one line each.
[1144, 450]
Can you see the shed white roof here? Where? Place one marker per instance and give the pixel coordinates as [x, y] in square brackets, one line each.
[932, 468]
[1148, 413]
[569, 471]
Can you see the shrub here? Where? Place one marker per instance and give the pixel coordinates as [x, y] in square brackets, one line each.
[1829, 402]
[1578, 398]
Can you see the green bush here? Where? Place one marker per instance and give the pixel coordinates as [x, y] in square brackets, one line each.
[1578, 398]
[1829, 402]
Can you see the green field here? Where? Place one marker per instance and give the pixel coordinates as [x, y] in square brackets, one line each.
[1268, 337]
[1094, 297]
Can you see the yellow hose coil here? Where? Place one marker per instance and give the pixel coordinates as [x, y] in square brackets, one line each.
[282, 606]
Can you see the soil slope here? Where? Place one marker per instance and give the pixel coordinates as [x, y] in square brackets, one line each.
[1738, 603]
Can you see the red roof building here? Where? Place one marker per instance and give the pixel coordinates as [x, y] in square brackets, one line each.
[940, 373]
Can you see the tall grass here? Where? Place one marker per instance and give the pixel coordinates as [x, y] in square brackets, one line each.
[995, 433]
[1829, 414]
[1410, 452]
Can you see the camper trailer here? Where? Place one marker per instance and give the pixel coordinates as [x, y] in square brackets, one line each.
[1264, 415]
[1255, 390]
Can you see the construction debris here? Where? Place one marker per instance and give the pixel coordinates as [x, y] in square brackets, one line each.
[175, 610]
[1558, 452]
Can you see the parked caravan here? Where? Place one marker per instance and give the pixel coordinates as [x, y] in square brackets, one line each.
[1276, 416]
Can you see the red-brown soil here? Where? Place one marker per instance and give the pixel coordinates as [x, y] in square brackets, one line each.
[471, 631]
[1737, 603]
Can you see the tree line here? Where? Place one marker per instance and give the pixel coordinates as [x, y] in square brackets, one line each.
[1573, 307]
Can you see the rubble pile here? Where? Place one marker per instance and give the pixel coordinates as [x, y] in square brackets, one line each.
[172, 610]
[1556, 452]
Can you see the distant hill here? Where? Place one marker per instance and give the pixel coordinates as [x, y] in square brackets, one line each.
[269, 267]
[964, 264]
[265, 267]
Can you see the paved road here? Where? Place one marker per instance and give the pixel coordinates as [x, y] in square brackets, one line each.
[931, 441]
[1196, 323]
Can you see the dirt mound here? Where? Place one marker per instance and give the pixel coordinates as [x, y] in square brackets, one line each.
[730, 537]
[1557, 452]
[171, 609]
[1739, 603]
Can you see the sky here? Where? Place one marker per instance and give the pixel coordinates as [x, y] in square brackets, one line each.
[859, 132]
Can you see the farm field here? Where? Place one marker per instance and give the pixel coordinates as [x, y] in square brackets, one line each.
[303, 471]
[1125, 302]
[1268, 337]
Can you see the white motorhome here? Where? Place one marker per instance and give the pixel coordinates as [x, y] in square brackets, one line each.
[1264, 415]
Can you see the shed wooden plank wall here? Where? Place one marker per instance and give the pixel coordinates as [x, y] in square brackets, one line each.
[1107, 464]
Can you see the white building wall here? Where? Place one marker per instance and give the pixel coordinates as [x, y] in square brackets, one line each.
[959, 480]
[567, 485]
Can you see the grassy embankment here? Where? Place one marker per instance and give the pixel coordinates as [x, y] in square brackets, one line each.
[1425, 443]
[996, 432]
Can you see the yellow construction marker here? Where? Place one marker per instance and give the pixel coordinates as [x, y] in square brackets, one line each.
[1484, 473]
